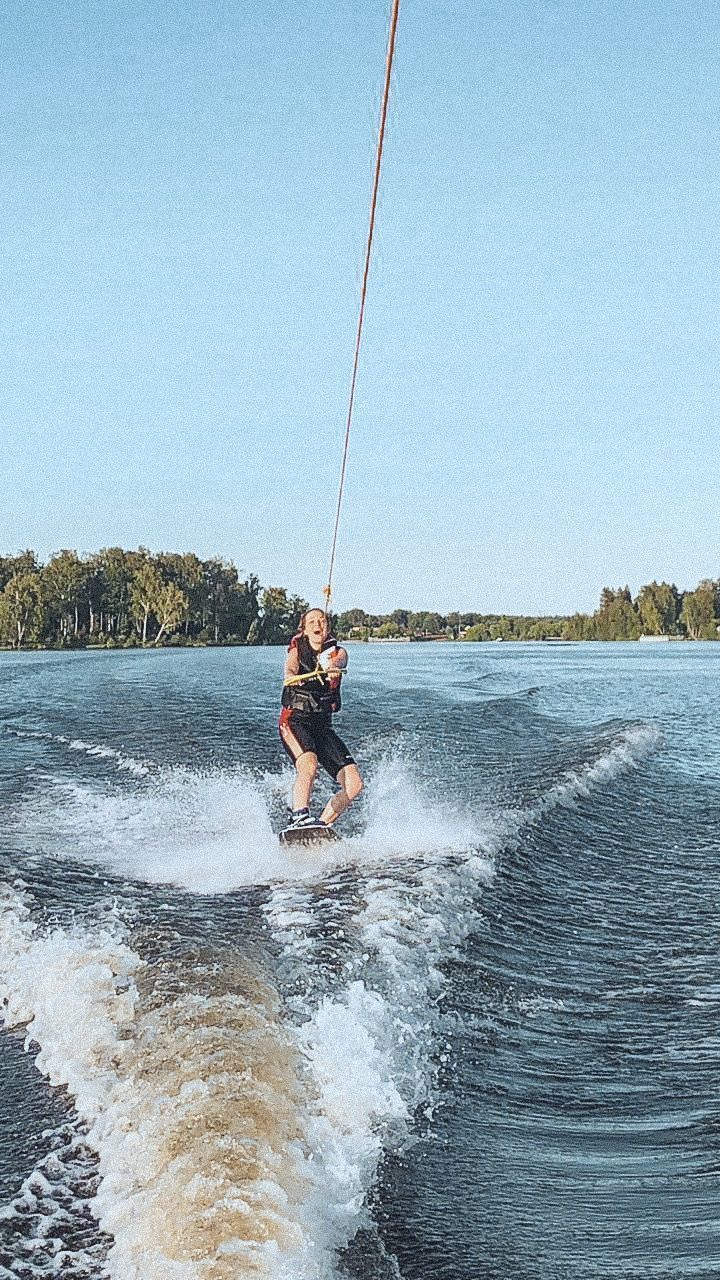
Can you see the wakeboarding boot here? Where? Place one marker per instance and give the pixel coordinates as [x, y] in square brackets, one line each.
[300, 818]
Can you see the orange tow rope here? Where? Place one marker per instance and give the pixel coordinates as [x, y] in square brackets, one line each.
[327, 591]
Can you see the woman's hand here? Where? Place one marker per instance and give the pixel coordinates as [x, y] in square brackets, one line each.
[332, 660]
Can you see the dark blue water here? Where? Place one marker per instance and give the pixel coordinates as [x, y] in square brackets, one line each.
[478, 1039]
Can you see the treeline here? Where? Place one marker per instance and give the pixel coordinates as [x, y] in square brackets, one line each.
[659, 609]
[403, 624]
[120, 598]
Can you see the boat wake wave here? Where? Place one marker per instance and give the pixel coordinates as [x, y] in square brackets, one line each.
[121, 760]
[239, 1109]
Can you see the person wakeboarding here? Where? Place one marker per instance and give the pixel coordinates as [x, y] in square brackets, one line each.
[311, 696]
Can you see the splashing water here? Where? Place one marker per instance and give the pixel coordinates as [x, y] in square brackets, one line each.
[232, 1108]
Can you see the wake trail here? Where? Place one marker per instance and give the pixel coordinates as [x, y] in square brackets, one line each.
[139, 768]
[50, 1227]
[238, 1118]
[212, 1125]
[625, 753]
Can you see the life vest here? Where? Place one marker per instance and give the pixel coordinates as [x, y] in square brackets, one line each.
[322, 692]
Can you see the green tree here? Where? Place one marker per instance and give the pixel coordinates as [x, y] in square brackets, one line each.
[170, 606]
[502, 628]
[22, 608]
[245, 607]
[93, 594]
[699, 611]
[12, 566]
[617, 618]
[185, 572]
[279, 616]
[64, 578]
[190, 581]
[477, 631]
[220, 586]
[424, 624]
[352, 620]
[115, 569]
[658, 606]
[145, 588]
[580, 627]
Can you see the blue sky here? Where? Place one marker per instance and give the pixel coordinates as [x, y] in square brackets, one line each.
[184, 212]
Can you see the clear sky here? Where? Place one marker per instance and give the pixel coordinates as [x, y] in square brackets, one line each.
[184, 207]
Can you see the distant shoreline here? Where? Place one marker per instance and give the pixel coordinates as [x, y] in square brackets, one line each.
[549, 643]
[119, 599]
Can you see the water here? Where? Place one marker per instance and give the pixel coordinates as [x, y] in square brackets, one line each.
[478, 1039]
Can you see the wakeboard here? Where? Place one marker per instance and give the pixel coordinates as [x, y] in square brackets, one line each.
[307, 835]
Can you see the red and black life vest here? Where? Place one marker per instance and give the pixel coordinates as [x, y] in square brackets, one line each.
[322, 692]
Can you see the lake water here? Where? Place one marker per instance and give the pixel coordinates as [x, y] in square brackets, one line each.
[477, 1040]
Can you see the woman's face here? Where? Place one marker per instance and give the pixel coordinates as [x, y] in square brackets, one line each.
[315, 628]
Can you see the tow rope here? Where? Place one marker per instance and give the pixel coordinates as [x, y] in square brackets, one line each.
[306, 675]
[327, 591]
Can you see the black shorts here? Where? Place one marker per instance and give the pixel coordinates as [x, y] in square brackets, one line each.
[313, 732]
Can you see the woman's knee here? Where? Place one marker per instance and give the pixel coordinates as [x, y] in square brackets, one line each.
[307, 764]
[352, 783]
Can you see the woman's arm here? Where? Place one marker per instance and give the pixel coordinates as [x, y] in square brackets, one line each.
[292, 663]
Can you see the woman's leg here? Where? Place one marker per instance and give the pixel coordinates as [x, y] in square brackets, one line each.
[351, 784]
[299, 744]
[305, 770]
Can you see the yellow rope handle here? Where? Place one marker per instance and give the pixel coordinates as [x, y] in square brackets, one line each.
[313, 675]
